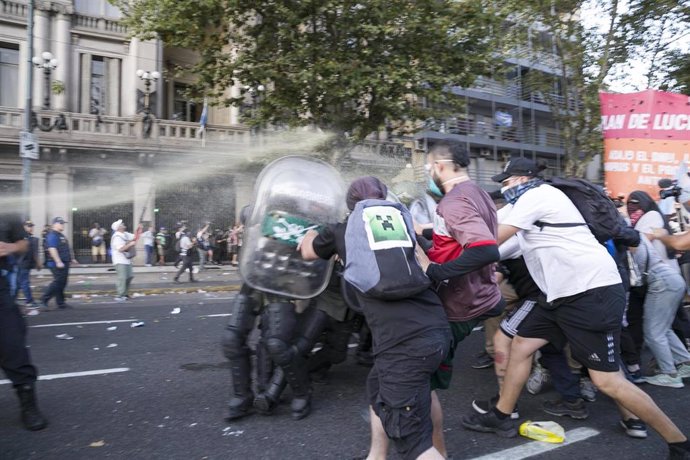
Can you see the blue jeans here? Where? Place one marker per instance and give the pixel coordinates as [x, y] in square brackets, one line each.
[665, 291]
[564, 381]
[149, 254]
[24, 284]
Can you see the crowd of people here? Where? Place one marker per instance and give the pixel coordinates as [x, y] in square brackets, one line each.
[554, 298]
[556, 302]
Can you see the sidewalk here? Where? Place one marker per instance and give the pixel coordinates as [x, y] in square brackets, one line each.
[99, 279]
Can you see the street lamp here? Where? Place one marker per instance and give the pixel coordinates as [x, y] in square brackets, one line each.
[46, 62]
[148, 78]
[255, 93]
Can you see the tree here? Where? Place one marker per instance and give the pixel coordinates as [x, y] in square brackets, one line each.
[678, 77]
[587, 55]
[351, 67]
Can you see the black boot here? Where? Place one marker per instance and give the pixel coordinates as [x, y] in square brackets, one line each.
[32, 418]
[297, 376]
[267, 400]
[241, 402]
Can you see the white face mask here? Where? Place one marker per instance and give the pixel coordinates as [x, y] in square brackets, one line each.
[504, 188]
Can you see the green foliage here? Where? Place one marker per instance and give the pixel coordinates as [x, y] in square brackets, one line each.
[346, 66]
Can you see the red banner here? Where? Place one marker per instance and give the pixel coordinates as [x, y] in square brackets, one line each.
[646, 138]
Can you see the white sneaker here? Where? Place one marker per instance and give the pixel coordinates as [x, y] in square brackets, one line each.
[537, 379]
[588, 390]
[120, 299]
[149, 265]
[665, 380]
[684, 370]
[31, 312]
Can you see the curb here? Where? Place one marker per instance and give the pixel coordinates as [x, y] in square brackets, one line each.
[161, 290]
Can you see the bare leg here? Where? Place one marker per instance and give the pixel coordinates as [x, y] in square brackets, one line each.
[501, 356]
[431, 454]
[517, 372]
[379, 440]
[628, 395]
[437, 421]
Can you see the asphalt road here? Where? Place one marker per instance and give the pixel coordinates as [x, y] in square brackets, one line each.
[159, 392]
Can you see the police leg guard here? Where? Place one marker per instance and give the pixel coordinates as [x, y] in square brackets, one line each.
[267, 400]
[236, 350]
[281, 326]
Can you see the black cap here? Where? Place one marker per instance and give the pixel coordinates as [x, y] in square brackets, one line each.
[59, 220]
[518, 167]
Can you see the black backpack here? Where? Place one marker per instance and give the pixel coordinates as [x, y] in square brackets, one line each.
[599, 212]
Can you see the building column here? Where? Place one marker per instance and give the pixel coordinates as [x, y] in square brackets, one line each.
[144, 200]
[38, 211]
[234, 110]
[63, 53]
[59, 199]
[244, 192]
[130, 80]
[41, 44]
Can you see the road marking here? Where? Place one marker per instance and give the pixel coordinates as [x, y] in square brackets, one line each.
[87, 322]
[76, 374]
[215, 316]
[535, 448]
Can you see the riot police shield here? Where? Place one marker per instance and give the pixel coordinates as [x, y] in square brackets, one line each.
[292, 195]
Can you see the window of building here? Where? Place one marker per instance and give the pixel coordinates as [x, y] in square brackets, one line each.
[97, 8]
[183, 108]
[97, 102]
[100, 85]
[9, 75]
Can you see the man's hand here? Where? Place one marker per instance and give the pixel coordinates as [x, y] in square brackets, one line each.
[6, 249]
[306, 246]
[59, 264]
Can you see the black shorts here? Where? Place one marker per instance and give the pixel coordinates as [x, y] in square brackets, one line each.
[510, 324]
[590, 322]
[399, 390]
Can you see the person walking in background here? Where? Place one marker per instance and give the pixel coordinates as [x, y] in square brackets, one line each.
[202, 245]
[121, 245]
[14, 354]
[148, 237]
[186, 247]
[232, 243]
[162, 243]
[97, 235]
[26, 262]
[58, 259]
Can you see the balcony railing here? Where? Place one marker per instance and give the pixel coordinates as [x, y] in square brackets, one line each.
[12, 9]
[483, 129]
[127, 129]
[386, 149]
[94, 24]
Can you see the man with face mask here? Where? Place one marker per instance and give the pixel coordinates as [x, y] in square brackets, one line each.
[462, 256]
[583, 305]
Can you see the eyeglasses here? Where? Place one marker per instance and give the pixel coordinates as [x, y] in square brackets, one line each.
[427, 166]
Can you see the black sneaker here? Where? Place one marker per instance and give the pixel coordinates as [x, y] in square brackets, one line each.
[483, 361]
[484, 406]
[560, 408]
[634, 428]
[65, 306]
[489, 423]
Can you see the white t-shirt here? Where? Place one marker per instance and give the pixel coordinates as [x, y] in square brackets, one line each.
[118, 240]
[647, 223]
[563, 261]
[147, 238]
[185, 244]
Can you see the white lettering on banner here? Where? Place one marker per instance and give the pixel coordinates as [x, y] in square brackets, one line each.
[618, 167]
[671, 121]
[612, 122]
[663, 157]
[638, 121]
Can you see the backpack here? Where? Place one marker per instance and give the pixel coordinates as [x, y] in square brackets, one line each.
[597, 209]
[97, 240]
[380, 251]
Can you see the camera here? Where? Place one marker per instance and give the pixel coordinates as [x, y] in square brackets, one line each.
[670, 189]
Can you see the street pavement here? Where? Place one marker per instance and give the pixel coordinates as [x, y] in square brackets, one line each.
[159, 391]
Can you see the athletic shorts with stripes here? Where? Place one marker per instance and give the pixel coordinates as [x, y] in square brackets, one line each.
[510, 324]
[590, 322]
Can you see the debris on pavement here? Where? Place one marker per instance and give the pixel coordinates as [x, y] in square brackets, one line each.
[175, 311]
[112, 345]
[100, 443]
[112, 328]
[137, 324]
[64, 337]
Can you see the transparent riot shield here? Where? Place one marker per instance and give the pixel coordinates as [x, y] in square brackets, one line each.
[292, 195]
